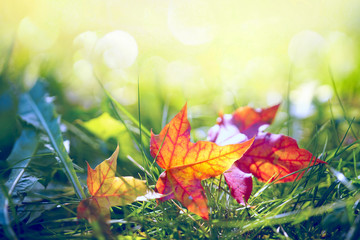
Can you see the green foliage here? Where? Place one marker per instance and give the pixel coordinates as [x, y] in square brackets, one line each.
[35, 108]
[39, 198]
[17, 182]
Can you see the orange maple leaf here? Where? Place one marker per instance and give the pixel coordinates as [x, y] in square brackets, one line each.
[107, 190]
[187, 163]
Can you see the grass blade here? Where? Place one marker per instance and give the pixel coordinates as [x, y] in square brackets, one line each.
[36, 108]
[128, 115]
[341, 104]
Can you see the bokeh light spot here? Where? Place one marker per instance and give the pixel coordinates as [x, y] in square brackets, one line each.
[118, 49]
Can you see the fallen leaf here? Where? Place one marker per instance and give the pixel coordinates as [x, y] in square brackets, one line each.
[243, 124]
[187, 163]
[249, 120]
[240, 183]
[272, 156]
[107, 190]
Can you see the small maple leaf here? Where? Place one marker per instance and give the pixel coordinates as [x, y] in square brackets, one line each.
[187, 163]
[107, 190]
[272, 156]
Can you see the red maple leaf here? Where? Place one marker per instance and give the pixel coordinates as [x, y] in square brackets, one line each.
[272, 156]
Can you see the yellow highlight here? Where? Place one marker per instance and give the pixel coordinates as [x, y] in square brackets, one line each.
[210, 52]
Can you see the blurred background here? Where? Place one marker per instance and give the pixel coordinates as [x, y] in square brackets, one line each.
[215, 55]
[152, 56]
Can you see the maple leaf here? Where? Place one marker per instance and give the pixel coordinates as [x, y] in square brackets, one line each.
[249, 120]
[107, 190]
[187, 163]
[272, 156]
[243, 124]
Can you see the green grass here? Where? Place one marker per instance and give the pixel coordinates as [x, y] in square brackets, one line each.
[323, 204]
